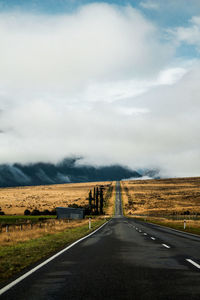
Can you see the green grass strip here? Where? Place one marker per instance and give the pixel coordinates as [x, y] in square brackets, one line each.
[17, 219]
[14, 259]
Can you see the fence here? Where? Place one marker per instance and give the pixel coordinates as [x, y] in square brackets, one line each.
[30, 226]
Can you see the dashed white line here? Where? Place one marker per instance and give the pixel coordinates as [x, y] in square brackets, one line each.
[145, 233]
[153, 238]
[140, 231]
[193, 263]
[166, 246]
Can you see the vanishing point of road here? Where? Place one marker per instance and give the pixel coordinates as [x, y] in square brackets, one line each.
[125, 259]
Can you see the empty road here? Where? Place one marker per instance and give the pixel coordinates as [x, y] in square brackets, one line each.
[126, 259]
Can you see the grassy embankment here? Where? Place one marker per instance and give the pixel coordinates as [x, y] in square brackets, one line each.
[19, 255]
[165, 202]
[21, 248]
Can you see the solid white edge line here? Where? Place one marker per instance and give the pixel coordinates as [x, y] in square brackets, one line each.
[193, 263]
[13, 283]
[166, 246]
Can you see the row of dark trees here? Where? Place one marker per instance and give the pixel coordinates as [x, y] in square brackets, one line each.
[1, 212]
[96, 200]
[37, 212]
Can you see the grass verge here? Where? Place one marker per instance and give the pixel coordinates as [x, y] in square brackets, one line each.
[191, 225]
[18, 219]
[21, 255]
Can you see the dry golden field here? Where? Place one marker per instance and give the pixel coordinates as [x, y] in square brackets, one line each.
[163, 197]
[17, 200]
[15, 235]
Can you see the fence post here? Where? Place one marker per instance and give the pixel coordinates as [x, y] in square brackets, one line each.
[7, 228]
[90, 223]
[184, 225]
[21, 227]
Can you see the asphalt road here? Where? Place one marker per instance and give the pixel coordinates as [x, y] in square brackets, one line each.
[126, 259]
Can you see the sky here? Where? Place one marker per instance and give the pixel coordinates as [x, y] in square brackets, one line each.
[113, 82]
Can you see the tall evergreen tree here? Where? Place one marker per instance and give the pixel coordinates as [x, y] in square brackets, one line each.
[94, 199]
[97, 201]
[101, 201]
[90, 200]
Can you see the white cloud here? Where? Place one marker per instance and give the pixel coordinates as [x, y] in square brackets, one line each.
[189, 34]
[96, 83]
[98, 42]
[171, 75]
[148, 4]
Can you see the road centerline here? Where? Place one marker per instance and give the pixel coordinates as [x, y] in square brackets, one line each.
[193, 263]
[166, 246]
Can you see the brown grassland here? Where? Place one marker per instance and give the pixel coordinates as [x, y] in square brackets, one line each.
[17, 200]
[57, 195]
[163, 197]
[15, 235]
[26, 244]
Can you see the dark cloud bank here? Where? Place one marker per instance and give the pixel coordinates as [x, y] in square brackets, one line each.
[63, 172]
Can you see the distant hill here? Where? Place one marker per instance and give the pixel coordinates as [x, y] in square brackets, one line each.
[64, 172]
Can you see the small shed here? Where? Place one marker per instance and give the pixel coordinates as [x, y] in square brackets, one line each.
[70, 213]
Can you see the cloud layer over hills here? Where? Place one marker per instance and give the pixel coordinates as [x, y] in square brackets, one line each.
[63, 172]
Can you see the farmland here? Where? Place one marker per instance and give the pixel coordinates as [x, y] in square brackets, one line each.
[14, 201]
[26, 239]
[18, 228]
[163, 197]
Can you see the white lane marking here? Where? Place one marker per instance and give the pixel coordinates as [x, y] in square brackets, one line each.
[140, 231]
[136, 228]
[13, 283]
[153, 238]
[166, 246]
[193, 263]
[145, 233]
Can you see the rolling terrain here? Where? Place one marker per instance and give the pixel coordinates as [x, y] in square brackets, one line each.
[124, 259]
[163, 197]
[17, 200]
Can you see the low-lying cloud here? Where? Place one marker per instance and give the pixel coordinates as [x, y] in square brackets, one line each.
[96, 83]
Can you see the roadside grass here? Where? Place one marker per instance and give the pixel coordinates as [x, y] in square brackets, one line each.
[36, 230]
[192, 226]
[110, 200]
[14, 258]
[122, 199]
[18, 219]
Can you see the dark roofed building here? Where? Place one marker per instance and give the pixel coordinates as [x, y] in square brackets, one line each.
[70, 213]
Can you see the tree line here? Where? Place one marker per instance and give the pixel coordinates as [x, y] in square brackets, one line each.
[96, 200]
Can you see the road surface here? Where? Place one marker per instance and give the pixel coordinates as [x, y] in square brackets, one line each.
[126, 259]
